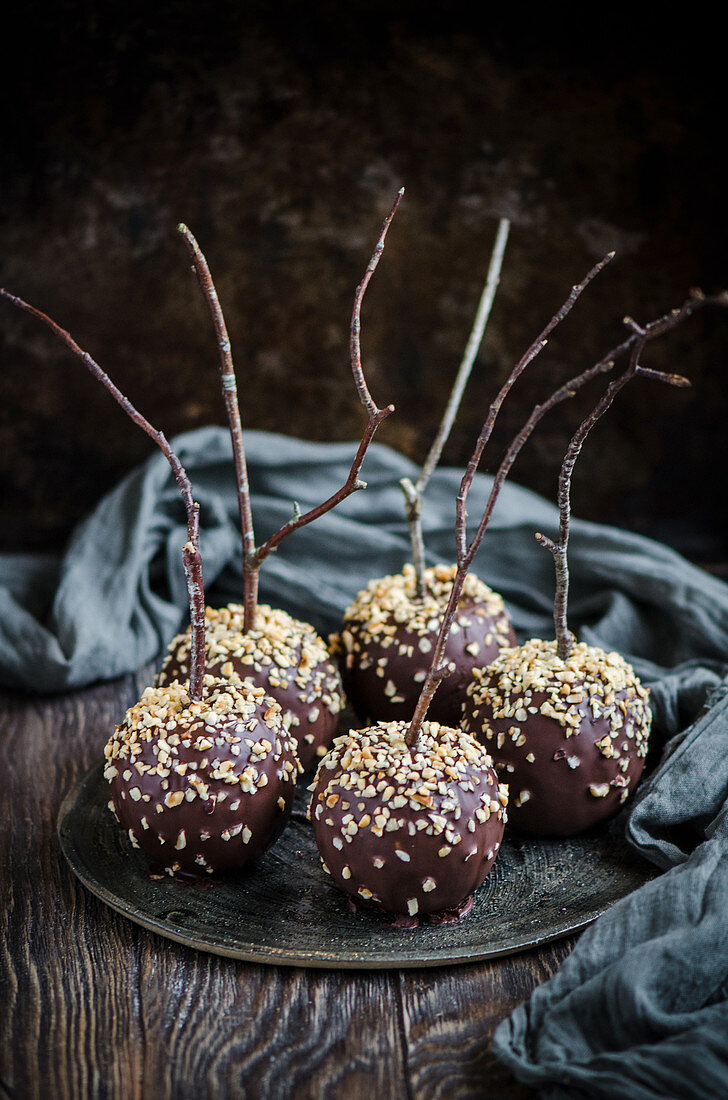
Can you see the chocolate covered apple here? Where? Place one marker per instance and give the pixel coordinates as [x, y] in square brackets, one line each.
[283, 656]
[411, 828]
[202, 786]
[568, 734]
[391, 630]
[568, 723]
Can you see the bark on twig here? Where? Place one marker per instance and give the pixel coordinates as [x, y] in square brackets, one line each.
[641, 335]
[486, 431]
[466, 552]
[191, 549]
[232, 409]
[413, 491]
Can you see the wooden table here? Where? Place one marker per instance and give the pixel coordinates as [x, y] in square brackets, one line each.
[93, 1005]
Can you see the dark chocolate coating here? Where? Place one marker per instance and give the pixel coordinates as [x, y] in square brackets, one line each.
[412, 843]
[562, 779]
[200, 796]
[383, 670]
[559, 802]
[295, 670]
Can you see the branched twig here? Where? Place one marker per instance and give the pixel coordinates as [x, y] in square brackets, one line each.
[413, 492]
[641, 335]
[466, 553]
[253, 556]
[191, 549]
[486, 431]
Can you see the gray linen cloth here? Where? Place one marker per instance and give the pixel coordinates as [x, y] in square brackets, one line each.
[640, 1008]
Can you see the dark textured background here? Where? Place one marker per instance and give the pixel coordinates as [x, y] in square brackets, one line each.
[280, 134]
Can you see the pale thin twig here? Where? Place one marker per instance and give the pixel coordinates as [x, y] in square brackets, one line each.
[413, 492]
[471, 350]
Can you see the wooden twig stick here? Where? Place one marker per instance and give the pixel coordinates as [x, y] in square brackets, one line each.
[374, 413]
[355, 328]
[191, 549]
[413, 491]
[232, 408]
[253, 556]
[474, 341]
[559, 547]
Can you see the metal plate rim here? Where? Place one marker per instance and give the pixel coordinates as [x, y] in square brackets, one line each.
[261, 954]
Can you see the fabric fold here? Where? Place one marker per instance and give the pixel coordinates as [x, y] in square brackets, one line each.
[639, 1009]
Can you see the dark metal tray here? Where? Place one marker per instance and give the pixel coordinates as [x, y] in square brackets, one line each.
[286, 911]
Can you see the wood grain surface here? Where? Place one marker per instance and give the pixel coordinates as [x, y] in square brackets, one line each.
[93, 1006]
